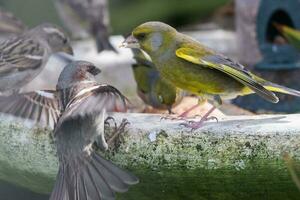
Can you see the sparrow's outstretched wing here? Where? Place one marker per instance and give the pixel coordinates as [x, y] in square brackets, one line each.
[40, 107]
[95, 99]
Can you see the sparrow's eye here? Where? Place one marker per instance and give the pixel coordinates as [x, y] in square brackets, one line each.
[94, 70]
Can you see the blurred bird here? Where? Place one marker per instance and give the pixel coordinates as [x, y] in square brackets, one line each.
[24, 56]
[291, 35]
[9, 24]
[92, 15]
[151, 88]
[191, 66]
[78, 111]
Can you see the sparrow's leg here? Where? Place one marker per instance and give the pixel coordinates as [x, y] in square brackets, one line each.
[102, 142]
[115, 138]
[102, 123]
[107, 122]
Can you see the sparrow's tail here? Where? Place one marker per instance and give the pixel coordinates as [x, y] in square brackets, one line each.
[90, 177]
[281, 89]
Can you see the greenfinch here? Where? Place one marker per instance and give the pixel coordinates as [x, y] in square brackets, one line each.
[190, 66]
[151, 88]
[291, 35]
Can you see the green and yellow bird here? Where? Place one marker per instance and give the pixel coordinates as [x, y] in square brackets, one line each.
[291, 35]
[151, 88]
[191, 66]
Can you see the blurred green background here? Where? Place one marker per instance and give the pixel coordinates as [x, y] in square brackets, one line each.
[125, 14]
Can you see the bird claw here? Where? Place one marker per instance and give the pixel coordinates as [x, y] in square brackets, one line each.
[107, 122]
[212, 118]
[115, 138]
[196, 125]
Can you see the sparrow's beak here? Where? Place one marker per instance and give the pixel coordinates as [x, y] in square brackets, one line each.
[68, 50]
[130, 42]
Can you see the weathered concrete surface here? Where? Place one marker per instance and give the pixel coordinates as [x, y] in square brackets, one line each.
[164, 154]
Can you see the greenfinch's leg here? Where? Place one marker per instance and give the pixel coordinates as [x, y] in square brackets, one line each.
[195, 125]
[183, 115]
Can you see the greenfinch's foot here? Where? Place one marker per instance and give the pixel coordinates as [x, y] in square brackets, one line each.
[176, 117]
[182, 116]
[198, 124]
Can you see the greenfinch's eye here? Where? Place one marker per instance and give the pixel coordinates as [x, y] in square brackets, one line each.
[141, 36]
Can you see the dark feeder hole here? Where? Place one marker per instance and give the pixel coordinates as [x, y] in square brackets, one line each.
[272, 34]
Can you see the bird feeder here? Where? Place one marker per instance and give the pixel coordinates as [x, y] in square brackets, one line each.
[263, 50]
[277, 54]
[257, 34]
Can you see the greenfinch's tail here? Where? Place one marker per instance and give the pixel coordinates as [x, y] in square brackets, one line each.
[281, 89]
[275, 87]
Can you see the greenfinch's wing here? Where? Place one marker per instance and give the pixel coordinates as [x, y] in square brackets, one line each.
[227, 66]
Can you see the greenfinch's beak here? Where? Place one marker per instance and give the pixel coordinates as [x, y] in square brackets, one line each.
[130, 42]
[68, 50]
